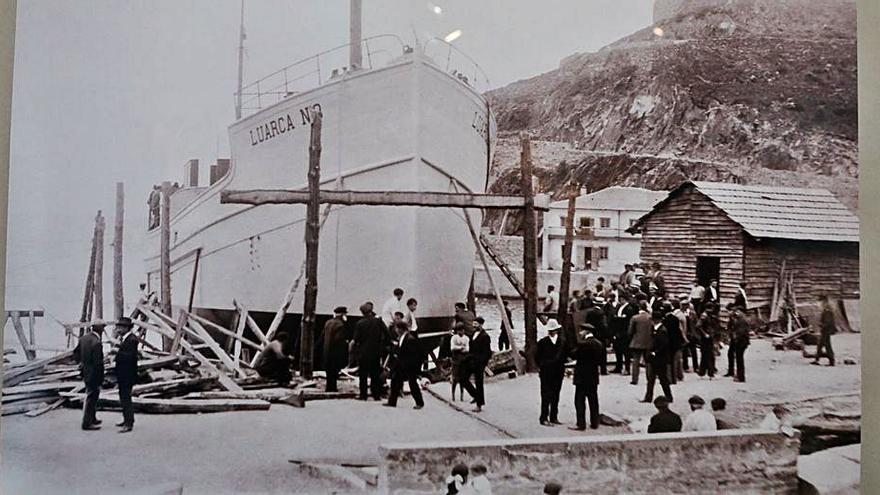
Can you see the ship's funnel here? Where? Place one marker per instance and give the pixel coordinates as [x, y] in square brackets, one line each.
[355, 56]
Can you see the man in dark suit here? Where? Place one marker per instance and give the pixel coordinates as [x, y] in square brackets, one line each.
[595, 316]
[619, 323]
[550, 356]
[369, 341]
[827, 327]
[739, 340]
[479, 354]
[126, 370]
[335, 347]
[665, 421]
[406, 367]
[640, 330]
[91, 357]
[658, 360]
[588, 354]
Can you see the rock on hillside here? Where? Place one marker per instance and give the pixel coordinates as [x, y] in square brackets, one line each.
[752, 91]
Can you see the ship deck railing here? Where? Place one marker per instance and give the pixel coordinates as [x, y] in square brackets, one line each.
[378, 51]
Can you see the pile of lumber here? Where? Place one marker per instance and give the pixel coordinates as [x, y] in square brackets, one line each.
[196, 376]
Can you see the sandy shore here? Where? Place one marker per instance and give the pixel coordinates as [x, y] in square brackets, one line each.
[249, 452]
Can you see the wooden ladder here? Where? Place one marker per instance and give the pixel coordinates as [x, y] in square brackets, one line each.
[487, 246]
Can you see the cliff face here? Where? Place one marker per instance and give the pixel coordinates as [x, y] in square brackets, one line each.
[752, 91]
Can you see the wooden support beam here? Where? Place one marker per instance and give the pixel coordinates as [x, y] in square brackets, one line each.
[214, 346]
[178, 333]
[118, 220]
[165, 251]
[99, 269]
[240, 324]
[226, 332]
[166, 331]
[192, 285]
[251, 323]
[32, 323]
[22, 338]
[90, 278]
[565, 278]
[313, 228]
[378, 198]
[520, 362]
[530, 255]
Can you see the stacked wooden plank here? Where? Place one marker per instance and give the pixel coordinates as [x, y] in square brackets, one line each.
[198, 377]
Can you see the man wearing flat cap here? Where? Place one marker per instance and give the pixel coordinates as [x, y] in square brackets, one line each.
[335, 347]
[550, 356]
[126, 370]
[588, 353]
[90, 354]
[370, 339]
[665, 421]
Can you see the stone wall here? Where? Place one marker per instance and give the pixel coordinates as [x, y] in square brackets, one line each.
[733, 461]
[579, 280]
[508, 247]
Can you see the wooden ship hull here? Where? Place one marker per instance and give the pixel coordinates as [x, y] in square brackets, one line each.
[408, 126]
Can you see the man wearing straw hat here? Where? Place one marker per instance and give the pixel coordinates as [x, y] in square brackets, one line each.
[550, 356]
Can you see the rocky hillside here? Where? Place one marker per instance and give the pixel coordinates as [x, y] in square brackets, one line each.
[752, 91]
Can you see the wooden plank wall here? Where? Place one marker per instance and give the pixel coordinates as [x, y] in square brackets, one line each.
[818, 267]
[689, 226]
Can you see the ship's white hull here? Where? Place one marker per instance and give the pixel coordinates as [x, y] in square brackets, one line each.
[408, 126]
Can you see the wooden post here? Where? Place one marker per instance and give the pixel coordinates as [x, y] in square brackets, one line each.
[118, 301]
[192, 285]
[530, 255]
[565, 278]
[313, 228]
[165, 257]
[471, 295]
[99, 270]
[32, 323]
[90, 279]
[506, 327]
[22, 338]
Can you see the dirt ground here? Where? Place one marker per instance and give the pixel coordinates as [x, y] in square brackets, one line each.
[248, 452]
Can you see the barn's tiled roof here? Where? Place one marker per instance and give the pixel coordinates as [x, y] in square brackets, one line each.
[778, 212]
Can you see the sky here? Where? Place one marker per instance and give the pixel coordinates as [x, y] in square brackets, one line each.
[129, 90]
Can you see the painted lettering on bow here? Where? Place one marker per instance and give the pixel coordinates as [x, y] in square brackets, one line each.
[282, 124]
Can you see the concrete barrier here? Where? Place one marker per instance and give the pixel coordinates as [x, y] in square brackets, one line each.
[730, 461]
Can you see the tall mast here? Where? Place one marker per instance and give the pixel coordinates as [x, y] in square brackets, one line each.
[241, 39]
[354, 55]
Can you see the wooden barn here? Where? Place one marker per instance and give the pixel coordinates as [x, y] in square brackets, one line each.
[733, 232]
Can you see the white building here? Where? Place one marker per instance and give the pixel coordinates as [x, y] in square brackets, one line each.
[601, 242]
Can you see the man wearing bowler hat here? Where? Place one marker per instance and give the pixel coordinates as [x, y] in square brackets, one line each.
[588, 354]
[126, 370]
[550, 356]
[335, 347]
[90, 354]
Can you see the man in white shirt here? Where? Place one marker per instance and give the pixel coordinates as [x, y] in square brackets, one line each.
[393, 305]
[551, 302]
[700, 419]
[409, 316]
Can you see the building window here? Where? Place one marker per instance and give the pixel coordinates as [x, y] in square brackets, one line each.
[586, 222]
[562, 220]
[603, 253]
[604, 223]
